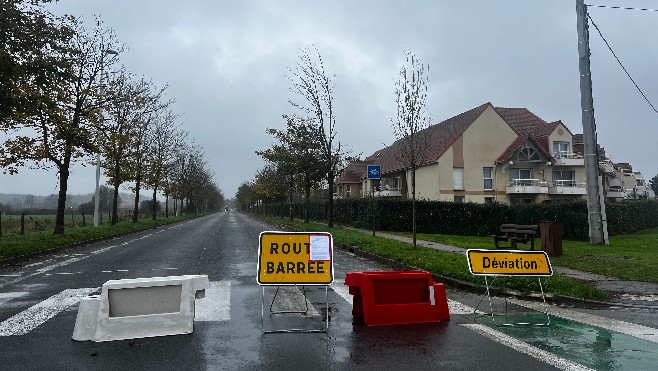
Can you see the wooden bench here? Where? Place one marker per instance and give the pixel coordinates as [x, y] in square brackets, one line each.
[516, 233]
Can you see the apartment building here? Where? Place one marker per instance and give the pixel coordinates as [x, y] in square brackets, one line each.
[485, 154]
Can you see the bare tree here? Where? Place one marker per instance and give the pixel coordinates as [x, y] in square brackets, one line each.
[315, 87]
[412, 118]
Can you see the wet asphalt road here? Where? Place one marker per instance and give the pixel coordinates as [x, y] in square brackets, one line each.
[224, 246]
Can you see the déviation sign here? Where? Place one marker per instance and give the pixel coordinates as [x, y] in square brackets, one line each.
[295, 258]
[508, 263]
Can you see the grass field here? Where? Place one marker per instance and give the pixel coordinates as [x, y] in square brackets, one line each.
[14, 244]
[11, 224]
[630, 257]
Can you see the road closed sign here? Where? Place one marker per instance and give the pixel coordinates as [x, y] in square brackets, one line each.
[508, 263]
[295, 258]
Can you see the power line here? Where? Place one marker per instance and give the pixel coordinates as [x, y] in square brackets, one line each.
[622, 66]
[621, 7]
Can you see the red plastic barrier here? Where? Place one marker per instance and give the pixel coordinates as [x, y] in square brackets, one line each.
[397, 297]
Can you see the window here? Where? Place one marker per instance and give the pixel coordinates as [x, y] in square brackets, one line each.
[560, 148]
[348, 190]
[459, 199]
[488, 200]
[392, 184]
[563, 178]
[458, 178]
[487, 174]
[520, 177]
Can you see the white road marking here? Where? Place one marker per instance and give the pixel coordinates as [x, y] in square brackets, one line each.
[638, 331]
[10, 275]
[343, 291]
[103, 249]
[6, 296]
[291, 298]
[524, 348]
[216, 306]
[32, 317]
[455, 307]
[649, 297]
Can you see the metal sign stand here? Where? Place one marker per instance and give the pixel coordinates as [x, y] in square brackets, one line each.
[304, 312]
[509, 324]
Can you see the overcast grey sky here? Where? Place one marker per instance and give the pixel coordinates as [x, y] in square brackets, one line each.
[226, 63]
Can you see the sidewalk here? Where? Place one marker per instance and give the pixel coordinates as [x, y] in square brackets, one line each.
[623, 292]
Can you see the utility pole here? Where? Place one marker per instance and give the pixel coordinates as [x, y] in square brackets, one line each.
[598, 226]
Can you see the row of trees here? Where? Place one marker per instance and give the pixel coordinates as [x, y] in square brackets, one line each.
[306, 155]
[64, 99]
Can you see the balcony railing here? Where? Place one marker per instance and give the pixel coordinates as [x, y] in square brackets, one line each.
[616, 192]
[388, 191]
[526, 186]
[567, 187]
[606, 167]
[569, 159]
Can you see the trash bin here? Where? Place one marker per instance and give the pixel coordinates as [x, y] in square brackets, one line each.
[551, 238]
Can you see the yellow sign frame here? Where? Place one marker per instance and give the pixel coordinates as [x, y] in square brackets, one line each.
[508, 263]
[295, 258]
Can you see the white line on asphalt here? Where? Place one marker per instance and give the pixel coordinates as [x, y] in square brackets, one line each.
[343, 291]
[291, 298]
[522, 347]
[103, 249]
[216, 305]
[32, 317]
[6, 296]
[10, 275]
[639, 331]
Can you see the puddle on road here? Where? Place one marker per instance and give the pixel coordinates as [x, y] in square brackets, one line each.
[589, 346]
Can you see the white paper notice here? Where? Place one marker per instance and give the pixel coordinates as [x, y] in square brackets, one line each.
[320, 248]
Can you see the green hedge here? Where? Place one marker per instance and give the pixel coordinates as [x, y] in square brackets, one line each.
[470, 219]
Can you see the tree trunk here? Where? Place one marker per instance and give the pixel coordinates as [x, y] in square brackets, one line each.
[307, 196]
[136, 207]
[292, 180]
[413, 204]
[61, 199]
[331, 198]
[166, 205]
[153, 212]
[115, 205]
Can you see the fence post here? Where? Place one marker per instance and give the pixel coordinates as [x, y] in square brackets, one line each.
[84, 223]
[22, 223]
[0, 223]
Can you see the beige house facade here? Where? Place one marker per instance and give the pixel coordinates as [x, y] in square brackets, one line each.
[486, 154]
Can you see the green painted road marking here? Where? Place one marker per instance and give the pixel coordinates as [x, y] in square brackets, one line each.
[590, 346]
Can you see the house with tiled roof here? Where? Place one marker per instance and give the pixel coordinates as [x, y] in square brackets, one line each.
[485, 154]
[349, 181]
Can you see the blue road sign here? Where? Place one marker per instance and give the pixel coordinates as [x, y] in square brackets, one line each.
[374, 172]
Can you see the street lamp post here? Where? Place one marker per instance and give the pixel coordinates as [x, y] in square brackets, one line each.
[98, 158]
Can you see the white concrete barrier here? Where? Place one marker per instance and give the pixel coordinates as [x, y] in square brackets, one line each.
[141, 307]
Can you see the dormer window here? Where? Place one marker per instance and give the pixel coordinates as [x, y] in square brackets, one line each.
[560, 149]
